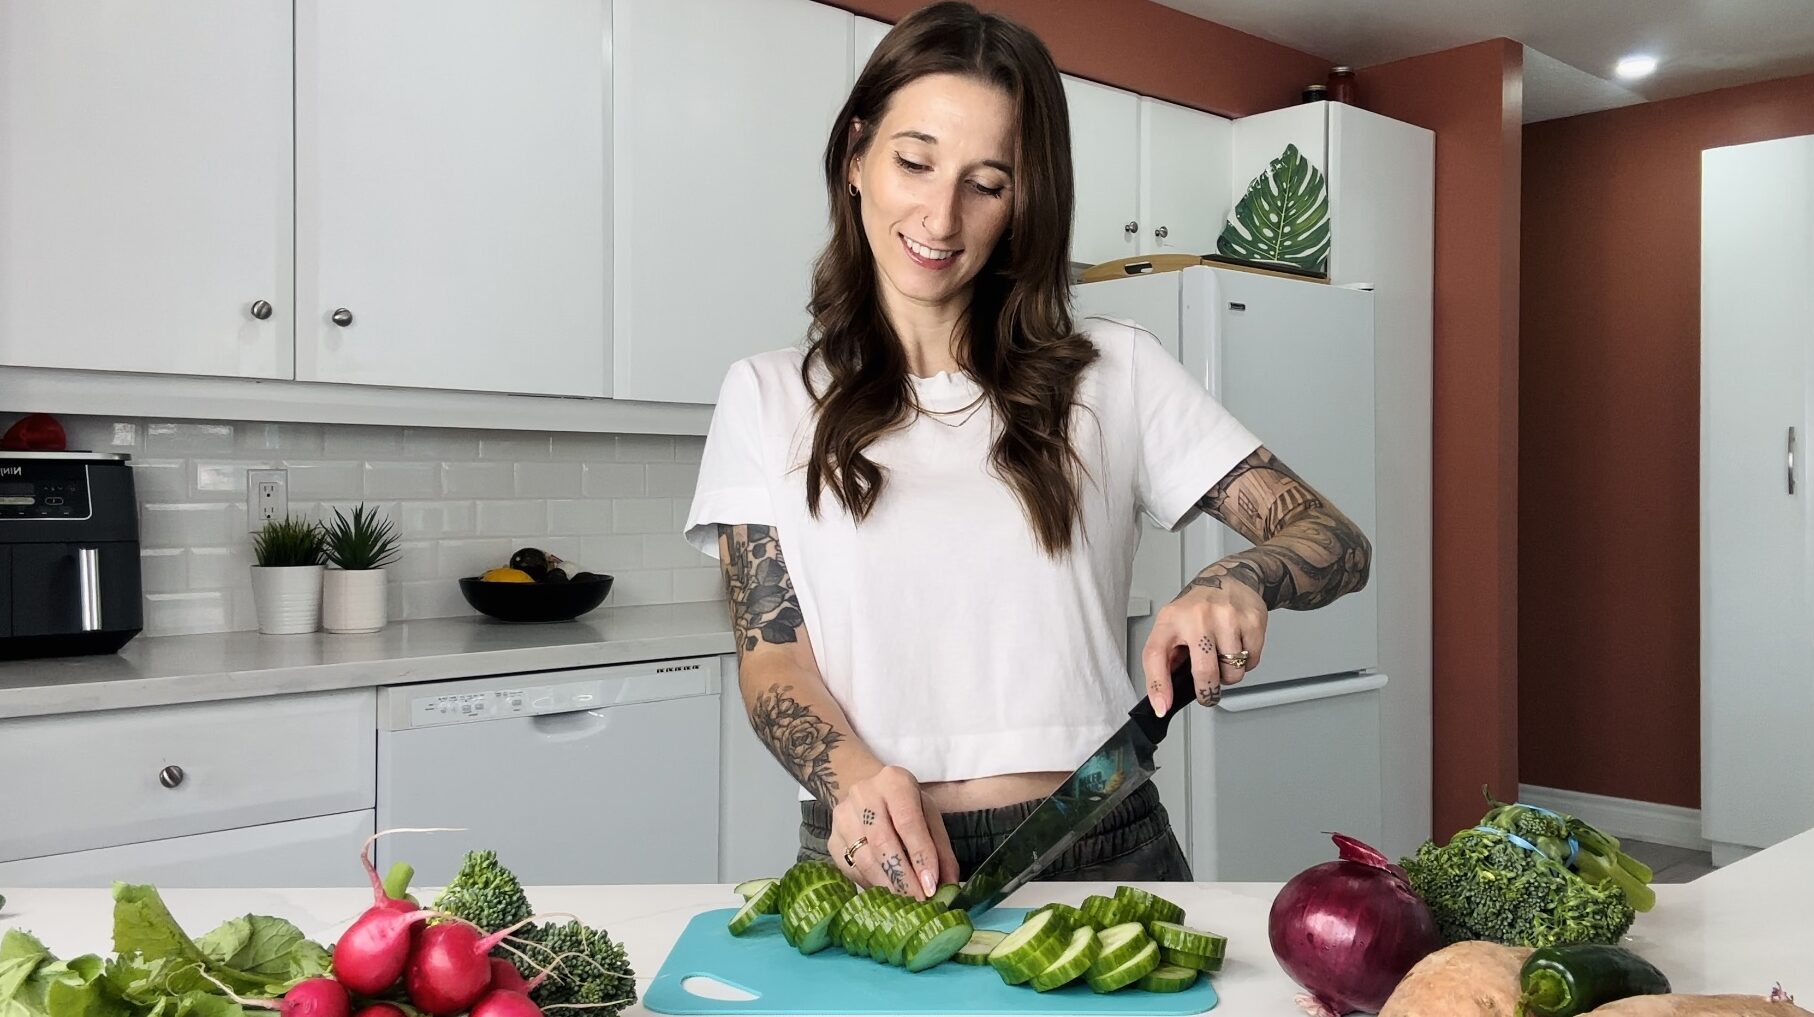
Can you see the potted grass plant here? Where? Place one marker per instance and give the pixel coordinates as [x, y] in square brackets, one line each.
[286, 579]
[357, 549]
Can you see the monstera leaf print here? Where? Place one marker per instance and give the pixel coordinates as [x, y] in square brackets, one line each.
[1283, 218]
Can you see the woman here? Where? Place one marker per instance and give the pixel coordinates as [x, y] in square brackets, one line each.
[955, 468]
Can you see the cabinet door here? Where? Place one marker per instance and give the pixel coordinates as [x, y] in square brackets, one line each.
[1184, 174]
[724, 108]
[307, 852]
[1105, 151]
[868, 35]
[145, 201]
[451, 194]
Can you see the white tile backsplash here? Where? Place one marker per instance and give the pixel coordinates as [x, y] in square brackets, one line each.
[463, 501]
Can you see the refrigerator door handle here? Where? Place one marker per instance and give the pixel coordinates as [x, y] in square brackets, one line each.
[1236, 700]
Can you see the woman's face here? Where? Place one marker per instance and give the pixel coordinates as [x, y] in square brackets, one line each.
[937, 183]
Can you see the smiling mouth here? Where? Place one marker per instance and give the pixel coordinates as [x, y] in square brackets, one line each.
[931, 257]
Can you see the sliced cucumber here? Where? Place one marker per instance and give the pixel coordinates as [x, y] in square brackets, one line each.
[1120, 943]
[1173, 936]
[916, 915]
[841, 920]
[1029, 949]
[767, 899]
[745, 917]
[1139, 905]
[1207, 965]
[860, 924]
[814, 909]
[1168, 978]
[1138, 967]
[1073, 917]
[1078, 955]
[976, 951]
[749, 888]
[946, 893]
[937, 938]
[1101, 912]
[892, 908]
[806, 875]
[816, 938]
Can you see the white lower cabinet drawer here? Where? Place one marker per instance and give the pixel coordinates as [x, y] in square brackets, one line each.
[309, 852]
[78, 782]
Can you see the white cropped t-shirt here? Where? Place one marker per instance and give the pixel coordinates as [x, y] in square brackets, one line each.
[956, 646]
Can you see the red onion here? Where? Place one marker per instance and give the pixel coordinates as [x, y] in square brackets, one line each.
[1348, 931]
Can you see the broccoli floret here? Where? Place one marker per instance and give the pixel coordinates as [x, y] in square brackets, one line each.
[1483, 886]
[596, 972]
[485, 893]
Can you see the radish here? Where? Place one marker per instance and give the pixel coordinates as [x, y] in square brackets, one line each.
[506, 978]
[311, 997]
[505, 1003]
[450, 967]
[371, 954]
[380, 1010]
[381, 899]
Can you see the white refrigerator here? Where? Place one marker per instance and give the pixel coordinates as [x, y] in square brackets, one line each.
[1294, 750]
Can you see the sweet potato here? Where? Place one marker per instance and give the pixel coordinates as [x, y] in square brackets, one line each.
[1698, 1006]
[1472, 979]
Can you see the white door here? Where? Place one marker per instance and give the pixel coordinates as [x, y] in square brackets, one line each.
[305, 852]
[145, 204]
[724, 108]
[867, 36]
[1105, 154]
[451, 182]
[1184, 178]
[1757, 551]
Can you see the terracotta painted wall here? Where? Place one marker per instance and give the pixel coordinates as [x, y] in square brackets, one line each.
[1473, 98]
[1152, 50]
[1610, 437]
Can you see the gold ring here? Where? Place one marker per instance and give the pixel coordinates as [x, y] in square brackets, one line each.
[850, 853]
[1235, 659]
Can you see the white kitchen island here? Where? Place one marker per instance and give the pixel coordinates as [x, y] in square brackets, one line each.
[1740, 929]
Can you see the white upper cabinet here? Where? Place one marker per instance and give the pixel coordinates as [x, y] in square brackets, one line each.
[868, 35]
[145, 186]
[724, 107]
[1105, 159]
[451, 182]
[1184, 178]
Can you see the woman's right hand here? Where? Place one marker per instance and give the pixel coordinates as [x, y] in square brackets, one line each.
[904, 843]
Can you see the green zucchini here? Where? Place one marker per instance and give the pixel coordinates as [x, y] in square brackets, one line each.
[1137, 967]
[1168, 978]
[1562, 981]
[1029, 949]
[936, 940]
[1077, 957]
[976, 951]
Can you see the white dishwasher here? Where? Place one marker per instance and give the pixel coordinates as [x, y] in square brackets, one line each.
[578, 776]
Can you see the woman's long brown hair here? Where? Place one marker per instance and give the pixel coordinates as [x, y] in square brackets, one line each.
[1017, 339]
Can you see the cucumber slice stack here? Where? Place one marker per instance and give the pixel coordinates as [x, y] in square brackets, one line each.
[1132, 939]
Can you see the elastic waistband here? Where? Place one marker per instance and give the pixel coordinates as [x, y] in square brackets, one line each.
[991, 825]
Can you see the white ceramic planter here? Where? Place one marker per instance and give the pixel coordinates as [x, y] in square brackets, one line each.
[353, 601]
[288, 598]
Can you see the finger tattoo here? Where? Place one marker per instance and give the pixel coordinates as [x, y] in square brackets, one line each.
[892, 868]
[1205, 645]
[869, 817]
[1210, 696]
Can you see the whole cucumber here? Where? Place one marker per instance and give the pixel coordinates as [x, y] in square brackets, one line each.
[1565, 981]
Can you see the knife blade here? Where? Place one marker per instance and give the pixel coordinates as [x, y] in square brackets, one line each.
[1106, 778]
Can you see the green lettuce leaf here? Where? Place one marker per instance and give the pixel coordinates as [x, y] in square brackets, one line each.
[265, 947]
[29, 975]
[251, 955]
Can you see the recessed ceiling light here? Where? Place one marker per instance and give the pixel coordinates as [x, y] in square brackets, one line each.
[1635, 66]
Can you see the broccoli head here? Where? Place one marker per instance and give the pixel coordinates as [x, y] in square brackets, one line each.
[485, 893]
[587, 967]
[1481, 885]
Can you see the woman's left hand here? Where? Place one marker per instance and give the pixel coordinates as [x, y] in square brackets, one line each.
[1211, 617]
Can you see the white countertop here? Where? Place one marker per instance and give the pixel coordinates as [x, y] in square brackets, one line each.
[167, 670]
[1740, 929]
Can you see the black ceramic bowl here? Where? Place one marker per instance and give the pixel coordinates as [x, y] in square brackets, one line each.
[535, 602]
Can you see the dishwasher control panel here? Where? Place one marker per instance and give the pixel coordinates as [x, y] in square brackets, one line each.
[461, 707]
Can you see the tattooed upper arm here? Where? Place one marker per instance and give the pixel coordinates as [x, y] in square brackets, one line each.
[764, 608]
[1306, 553]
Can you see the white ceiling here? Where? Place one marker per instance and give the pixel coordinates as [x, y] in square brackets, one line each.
[1699, 44]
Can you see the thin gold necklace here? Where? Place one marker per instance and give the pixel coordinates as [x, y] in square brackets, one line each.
[973, 406]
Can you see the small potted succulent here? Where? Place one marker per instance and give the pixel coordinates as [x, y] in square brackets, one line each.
[286, 581]
[353, 590]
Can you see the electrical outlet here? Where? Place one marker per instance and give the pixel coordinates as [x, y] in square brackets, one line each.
[267, 497]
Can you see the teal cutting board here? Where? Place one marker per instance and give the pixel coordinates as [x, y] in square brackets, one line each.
[833, 982]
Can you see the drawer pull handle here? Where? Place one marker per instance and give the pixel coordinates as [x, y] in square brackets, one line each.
[170, 776]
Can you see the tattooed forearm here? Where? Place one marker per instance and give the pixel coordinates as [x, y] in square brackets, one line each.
[763, 605]
[1306, 554]
[896, 877]
[799, 739]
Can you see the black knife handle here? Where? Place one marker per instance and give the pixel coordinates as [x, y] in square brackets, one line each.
[1184, 690]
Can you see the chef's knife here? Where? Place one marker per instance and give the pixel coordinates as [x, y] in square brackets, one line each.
[1112, 772]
